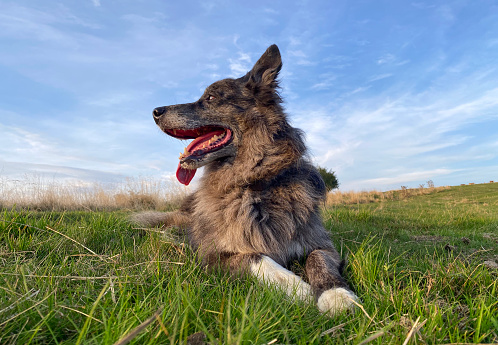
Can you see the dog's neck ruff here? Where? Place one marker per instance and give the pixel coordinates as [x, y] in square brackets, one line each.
[265, 184]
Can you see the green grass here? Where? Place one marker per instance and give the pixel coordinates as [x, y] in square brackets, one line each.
[91, 278]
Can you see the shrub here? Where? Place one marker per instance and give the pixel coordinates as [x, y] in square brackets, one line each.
[329, 178]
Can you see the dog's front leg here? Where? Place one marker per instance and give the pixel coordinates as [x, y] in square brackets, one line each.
[332, 293]
[270, 272]
[267, 271]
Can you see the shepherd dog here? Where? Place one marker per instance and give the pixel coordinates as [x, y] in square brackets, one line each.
[257, 206]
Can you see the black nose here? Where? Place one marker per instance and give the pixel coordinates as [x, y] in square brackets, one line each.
[157, 113]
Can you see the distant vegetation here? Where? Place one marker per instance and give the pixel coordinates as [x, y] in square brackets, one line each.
[329, 178]
[338, 197]
[423, 261]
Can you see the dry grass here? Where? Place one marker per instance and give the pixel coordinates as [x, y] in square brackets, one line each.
[36, 193]
[338, 197]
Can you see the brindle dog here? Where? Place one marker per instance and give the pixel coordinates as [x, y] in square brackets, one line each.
[257, 207]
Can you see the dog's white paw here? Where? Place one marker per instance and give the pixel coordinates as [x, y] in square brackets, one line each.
[272, 273]
[335, 301]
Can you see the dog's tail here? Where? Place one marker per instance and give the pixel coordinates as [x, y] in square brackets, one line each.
[150, 219]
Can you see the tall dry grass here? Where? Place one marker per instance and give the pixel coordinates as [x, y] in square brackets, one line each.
[37, 193]
[338, 197]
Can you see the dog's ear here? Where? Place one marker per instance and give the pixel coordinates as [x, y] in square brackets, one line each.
[265, 71]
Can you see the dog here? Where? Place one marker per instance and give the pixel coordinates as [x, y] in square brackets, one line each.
[257, 208]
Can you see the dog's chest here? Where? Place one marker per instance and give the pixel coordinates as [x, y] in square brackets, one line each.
[240, 221]
[239, 206]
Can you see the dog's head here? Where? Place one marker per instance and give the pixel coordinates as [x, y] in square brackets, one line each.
[233, 116]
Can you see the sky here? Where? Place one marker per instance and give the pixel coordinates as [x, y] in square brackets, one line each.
[389, 93]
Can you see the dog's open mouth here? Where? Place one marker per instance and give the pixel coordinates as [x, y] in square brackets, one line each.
[206, 140]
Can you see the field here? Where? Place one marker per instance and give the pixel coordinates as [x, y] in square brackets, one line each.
[424, 266]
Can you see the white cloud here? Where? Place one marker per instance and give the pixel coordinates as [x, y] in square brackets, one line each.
[302, 58]
[15, 170]
[422, 5]
[15, 142]
[240, 66]
[476, 109]
[326, 81]
[418, 133]
[120, 98]
[297, 53]
[379, 77]
[405, 178]
[386, 58]
[446, 13]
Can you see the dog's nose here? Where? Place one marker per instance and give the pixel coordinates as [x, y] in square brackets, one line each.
[157, 113]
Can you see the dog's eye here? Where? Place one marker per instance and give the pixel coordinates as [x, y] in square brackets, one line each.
[210, 98]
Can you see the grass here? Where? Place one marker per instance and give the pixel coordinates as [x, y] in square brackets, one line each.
[419, 264]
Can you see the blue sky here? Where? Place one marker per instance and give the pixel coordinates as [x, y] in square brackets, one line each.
[389, 93]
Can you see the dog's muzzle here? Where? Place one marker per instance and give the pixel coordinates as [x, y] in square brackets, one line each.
[157, 113]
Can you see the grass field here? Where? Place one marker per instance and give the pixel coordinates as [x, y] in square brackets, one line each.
[423, 266]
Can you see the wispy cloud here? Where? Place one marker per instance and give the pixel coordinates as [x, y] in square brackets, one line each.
[240, 66]
[379, 77]
[17, 142]
[326, 81]
[383, 96]
[302, 58]
[417, 132]
[14, 170]
[410, 177]
[386, 58]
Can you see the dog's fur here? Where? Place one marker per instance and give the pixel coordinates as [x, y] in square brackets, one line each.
[258, 204]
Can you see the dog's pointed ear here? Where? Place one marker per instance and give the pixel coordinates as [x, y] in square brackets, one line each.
[265, 71]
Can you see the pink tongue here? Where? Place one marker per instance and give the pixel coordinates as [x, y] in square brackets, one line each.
[201, 139]
[185, 175]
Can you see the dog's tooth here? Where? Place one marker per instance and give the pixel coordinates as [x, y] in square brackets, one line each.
[174, 131]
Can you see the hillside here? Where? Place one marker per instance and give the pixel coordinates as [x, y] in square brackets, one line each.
[422, 266]
[462, 219]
